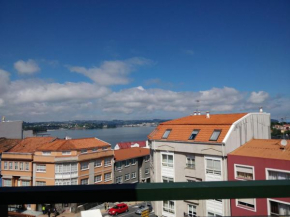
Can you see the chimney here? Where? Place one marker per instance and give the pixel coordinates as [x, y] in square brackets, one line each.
[207, 115]
[3, 118]
[194, 113]
[261, 109]
[198, 113]
[67, 138]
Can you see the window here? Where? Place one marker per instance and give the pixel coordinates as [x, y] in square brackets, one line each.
[119, 179]
[16, 165]
[5, 165]
[246, 203]
[108, 162]
[147, 171]
[213, 214]
[25, 183]
[105, 148]
[244, 172]
[84, 165]
[191, 211]
[40, 183]
[74, 181]
[41, 168]
[213, 166]
[118, 165]
[10, 165]
[278, 175]
[215, 135]
[108, 177]
[146, 158]
[279, 208]
[133, 175]
[26, 166]
[127, 163]
[167, 160]
[98, 178]
[84, 181]
[94, 149]
[7, 183]
[66, 153]
[168, 206]
[98, 163]
[166, 134]
[127, 177]
[167, 179]
[133, 161]
[21, 166]
[46, 153]
[193, 134]
[84, 151]
[190, 162]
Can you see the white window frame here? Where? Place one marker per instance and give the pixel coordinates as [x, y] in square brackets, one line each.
[84, 168]
[127, 161]
[194, 215]
[277, 201]
[83, 180]
[108, 162]
[244, 207]
[10, 165]
[40, 183]
[21, 166]
[119, 165]
[100, 175]
[192, 158]
[168, 154]
[174, 209]
[274, 170]
[243, 165]
[167, 179]
[213, 158]
[46, 153]
[107, 180]
[133, 161]
[119, 179]
[66, 153]
[25, 181]
[41, 168]
[5, 165]
[26, 166]
[5, 184]
[16, 166]
[127, 177]
[133, 175]
[96, 163]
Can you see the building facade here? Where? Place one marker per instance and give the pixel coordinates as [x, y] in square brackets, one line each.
[50, 161]
[260, 160]
[132, 165]
[194, 149]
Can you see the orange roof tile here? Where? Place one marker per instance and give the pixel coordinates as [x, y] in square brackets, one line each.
[264, 148]
[6, 144]
[124, 154]
[73, 144]
[30, 144]
[182, 128]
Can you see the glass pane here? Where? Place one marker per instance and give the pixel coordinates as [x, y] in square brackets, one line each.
[209, 163]
[215, 135]
[166, 134]
[217, 165]
[170, 159]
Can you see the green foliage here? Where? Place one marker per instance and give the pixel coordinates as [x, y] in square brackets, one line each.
[276, 132]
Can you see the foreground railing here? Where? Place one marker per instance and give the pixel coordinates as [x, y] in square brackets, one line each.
[143, 192]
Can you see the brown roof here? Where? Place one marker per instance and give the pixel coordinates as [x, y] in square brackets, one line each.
[264, 148]
[6, 144]
[73, 144]
[124, 154]
[182, 128]
[30, 144]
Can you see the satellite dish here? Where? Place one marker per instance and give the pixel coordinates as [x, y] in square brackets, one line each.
[283, 142]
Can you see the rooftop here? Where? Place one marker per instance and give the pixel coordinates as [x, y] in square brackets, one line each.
[124, 154]
[264, 148]
[182, 128]
[30, 144]
[128, 144]
[6, 144]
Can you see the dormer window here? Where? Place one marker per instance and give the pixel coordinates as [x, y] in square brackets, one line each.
[84, 151]
[215, 135]
[193, 134]
[166, 134]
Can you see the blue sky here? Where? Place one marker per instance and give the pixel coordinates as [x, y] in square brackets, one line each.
[156, 57]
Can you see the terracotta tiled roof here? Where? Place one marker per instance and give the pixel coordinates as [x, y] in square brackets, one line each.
[182, 128]
[264, 148]
[128, 144]
[73, 144]
[6, 144]
[30, 144]
[124, 154]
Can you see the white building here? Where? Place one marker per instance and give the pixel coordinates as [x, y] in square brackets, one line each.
[195, 148]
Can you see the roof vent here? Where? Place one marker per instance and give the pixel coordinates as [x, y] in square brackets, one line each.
[67, 138]
[198, 113]
[3, 118]
[194, 113]
[207, 115]
[261, 109]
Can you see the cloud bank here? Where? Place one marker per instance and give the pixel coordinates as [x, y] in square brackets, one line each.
[29, 67]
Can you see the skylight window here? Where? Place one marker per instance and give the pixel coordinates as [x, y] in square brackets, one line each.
[166, 134]
[215, 135]
[193, 134]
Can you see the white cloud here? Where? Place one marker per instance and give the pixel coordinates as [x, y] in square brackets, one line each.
[111, 72]
[258, 97]
[4, 81]
[29, 67]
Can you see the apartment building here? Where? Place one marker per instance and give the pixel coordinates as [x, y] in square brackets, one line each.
[132, 165]
[194, 149]
[51, 161]
[260, 159]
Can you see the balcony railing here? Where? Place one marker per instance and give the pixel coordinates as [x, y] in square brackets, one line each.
[142, 192]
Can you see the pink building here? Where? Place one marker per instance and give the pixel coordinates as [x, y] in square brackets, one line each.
[260, 159]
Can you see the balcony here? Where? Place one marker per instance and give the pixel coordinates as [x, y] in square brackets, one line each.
[142, 192]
